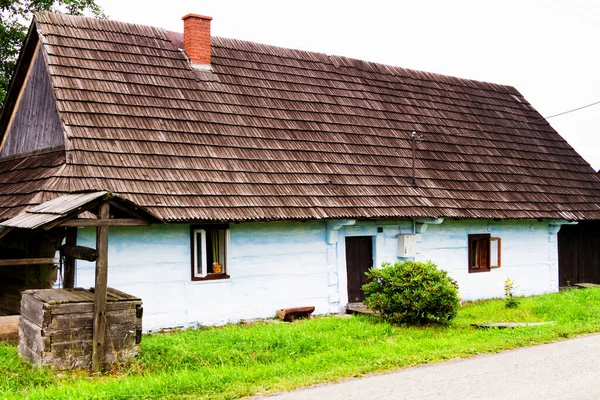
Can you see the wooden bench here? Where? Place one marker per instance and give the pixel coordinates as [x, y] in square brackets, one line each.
[290, 314]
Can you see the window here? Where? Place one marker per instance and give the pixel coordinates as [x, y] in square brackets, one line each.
[210, 249]
[484, 252]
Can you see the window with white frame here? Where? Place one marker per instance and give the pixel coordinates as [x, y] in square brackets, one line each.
[210, 250]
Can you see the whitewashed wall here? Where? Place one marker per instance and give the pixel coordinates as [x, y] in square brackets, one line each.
[272, 265]
[285, 264]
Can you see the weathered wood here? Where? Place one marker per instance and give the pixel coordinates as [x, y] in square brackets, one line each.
[65, 340]
[9, 328]
[508, 325]
[79, 252]
[586, 285]
[360, 308]
[31, 335]
[28, 261]
[290, 314]
[75, 308]
[105, 222]
[28, 353]
[32, 309]
[128, 210]
[34, 123]
[69, 267]
[98, 345]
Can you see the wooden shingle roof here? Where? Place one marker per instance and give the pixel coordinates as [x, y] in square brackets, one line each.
[274, 134]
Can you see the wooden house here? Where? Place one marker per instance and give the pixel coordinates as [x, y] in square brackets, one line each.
[270, 177]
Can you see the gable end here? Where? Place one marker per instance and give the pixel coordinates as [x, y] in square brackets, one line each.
[34, 124]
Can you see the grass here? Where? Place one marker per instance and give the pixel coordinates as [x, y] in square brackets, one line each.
[246, 359]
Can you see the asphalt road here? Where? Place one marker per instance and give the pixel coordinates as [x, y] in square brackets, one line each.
[564, 370]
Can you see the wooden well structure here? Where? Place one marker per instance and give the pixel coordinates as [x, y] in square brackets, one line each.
[62, 216]
[55, 327]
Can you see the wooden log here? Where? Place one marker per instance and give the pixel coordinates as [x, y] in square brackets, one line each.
[28, 261]
[69, 267]
[289, 314]
[79, 252]
[98, 345]
[9, 329]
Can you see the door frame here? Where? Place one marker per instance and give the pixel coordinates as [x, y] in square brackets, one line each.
[376, 237]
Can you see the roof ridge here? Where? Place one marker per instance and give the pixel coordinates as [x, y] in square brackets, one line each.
[98, 24]
[362, 65]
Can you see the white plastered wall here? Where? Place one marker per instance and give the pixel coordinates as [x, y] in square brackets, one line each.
[287, 264]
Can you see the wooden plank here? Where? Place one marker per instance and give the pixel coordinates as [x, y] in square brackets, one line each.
[122, 296]
[55, 296]
[69, 272]
[28, 261]
[98, 344]
[32, 335]
[74, 308]
[28, 353]
[105, 222]
[32, 309]
[69, 321]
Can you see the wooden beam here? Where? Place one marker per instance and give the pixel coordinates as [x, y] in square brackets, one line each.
[69, 271]
[28, 261]
[105, 222]
[79, 252]
[132, 212]
[99, 333]
[4, 230]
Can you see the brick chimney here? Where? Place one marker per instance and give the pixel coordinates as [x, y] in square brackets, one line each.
[196, 38]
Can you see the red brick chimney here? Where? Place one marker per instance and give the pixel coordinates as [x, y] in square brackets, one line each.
[196, 38]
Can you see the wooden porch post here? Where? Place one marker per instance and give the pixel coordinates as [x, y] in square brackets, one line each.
[69, 273]
[98, 343]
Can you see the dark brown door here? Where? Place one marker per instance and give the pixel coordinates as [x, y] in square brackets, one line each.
[359, 258]
[579, 253]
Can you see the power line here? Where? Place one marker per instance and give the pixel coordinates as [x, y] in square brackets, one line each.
[566, 112]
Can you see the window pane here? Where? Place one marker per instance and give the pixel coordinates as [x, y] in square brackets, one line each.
[215, 250]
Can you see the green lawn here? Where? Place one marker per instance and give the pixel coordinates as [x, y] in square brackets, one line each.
[266, 357]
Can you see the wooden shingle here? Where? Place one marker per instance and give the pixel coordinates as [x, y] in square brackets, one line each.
[275, 134]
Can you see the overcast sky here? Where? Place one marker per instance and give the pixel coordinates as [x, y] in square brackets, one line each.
[548, 49]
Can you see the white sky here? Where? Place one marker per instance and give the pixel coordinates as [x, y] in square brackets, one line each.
[548, 49]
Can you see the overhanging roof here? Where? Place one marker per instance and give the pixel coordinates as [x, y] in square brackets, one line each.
[52, 212]
[281, 134]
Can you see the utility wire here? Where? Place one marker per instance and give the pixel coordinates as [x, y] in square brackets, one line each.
[566, 112]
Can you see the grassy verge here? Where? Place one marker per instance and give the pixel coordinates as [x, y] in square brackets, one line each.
[242, 360]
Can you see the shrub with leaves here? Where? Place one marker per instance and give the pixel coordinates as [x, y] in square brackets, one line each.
[412, 292]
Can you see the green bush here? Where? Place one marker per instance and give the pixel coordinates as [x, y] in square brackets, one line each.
[412, 292]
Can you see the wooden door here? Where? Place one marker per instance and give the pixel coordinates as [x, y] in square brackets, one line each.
[579, 253]
[359, 258]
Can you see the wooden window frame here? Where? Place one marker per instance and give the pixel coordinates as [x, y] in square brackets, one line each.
[499, 251]
[483, 262]
[202, 230]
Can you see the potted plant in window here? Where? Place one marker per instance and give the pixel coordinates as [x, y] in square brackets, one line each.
[217, 268]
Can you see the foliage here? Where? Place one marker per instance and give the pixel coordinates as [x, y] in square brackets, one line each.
[15, 17]
[509, 298]
[243, 360]
[412, 292]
